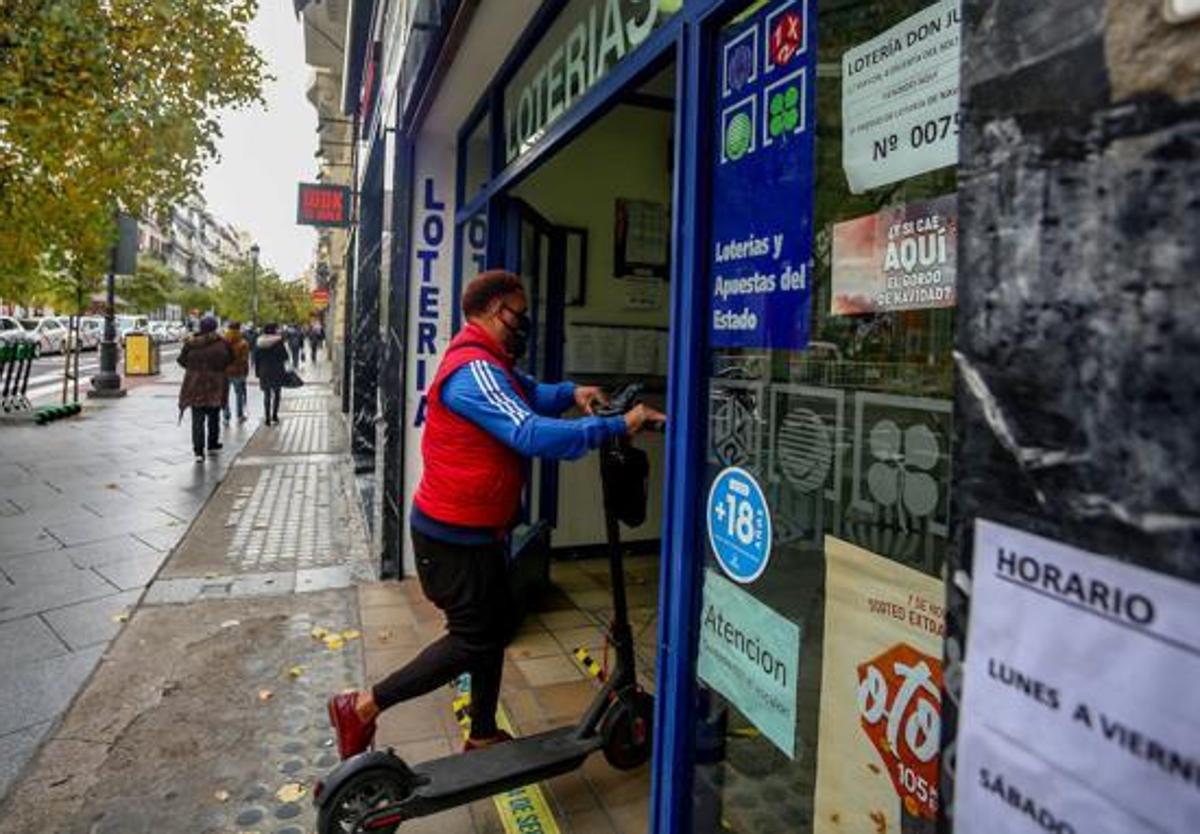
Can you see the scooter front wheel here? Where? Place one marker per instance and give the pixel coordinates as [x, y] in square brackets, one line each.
[371, 790]
[627, 731]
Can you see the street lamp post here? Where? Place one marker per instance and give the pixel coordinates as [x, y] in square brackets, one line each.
[123, 259]
[254, 284]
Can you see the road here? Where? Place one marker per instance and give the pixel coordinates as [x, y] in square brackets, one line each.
[45, 379]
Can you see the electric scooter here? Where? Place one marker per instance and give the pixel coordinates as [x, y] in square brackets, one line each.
[377, 790]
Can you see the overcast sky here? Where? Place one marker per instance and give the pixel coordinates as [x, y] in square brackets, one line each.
[264, 153]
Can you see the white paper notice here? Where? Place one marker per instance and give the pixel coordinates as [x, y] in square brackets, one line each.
[900, 99]
[1079, 702]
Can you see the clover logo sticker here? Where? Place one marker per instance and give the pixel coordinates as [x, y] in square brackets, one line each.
[784, 108]
[900, 474]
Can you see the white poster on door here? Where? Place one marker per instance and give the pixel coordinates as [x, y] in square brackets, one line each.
[1079, 710]
[900, 99]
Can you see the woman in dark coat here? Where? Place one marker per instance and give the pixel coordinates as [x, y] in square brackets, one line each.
[270, 363]
[205, 358]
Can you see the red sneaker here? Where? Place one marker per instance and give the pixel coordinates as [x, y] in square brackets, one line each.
[353, 734]
[480, 743]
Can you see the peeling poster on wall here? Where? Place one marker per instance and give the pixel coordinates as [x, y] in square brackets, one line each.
[881, 680]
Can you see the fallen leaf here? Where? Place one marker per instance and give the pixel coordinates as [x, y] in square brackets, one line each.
[319, 633]
[290, 792]
[296, 671]
[230, 623]
[123, 617]
[385, 635]
[221, 796]
[333, 642]
[112, 486]
[351, 634]
[265, 694]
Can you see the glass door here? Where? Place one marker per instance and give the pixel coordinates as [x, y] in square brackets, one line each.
[824, 504]
[536, 252]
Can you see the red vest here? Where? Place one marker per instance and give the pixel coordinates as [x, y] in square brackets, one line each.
[470, 479]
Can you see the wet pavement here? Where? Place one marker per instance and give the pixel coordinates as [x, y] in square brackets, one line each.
[90, 507]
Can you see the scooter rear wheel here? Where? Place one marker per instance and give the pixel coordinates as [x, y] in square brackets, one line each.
[627, 730]
[362, 793]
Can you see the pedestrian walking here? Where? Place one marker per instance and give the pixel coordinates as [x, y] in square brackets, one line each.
[238, 370]
[295, 343]
[316, 337]
[205, 358]
[486, 419]
[250, 334]
[270, 363]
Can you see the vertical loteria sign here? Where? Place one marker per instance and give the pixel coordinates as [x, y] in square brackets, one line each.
[430, 294]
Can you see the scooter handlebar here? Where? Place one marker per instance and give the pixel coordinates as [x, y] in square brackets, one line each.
[622, 401]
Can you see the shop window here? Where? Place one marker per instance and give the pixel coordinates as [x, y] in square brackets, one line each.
[820, 656]
[477, 150]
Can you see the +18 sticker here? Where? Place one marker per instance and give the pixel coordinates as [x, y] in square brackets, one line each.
[739, 524]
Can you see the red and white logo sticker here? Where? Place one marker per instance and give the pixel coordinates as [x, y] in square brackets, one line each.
[787, 36]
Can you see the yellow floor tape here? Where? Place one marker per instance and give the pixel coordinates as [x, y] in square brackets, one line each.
[588, 663]
[522, 810]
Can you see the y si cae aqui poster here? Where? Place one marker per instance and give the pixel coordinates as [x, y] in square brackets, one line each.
[900, 258]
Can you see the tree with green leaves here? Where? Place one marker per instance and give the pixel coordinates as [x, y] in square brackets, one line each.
[151, 288]
[195, 297]
[278, 300]
[107, 105]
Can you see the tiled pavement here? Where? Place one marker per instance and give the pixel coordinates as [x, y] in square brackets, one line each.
[173, 733]
[89, 509]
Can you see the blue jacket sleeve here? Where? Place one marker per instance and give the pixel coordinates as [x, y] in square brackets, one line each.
[549, 399]
[480, 393]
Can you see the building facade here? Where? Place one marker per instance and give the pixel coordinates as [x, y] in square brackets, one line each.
[195, 244]
[915, 283]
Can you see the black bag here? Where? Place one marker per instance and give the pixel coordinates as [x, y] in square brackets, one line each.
[626, 473]
[291, 379]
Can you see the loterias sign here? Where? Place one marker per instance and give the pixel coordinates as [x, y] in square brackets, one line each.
[588, 39]
[323, 205]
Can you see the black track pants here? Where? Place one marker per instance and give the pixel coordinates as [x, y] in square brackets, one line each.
[470, 584]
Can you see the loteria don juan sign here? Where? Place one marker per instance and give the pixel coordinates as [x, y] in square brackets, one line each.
[586, 40]
[323, 205]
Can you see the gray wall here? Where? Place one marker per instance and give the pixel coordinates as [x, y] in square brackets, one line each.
[1078, 341]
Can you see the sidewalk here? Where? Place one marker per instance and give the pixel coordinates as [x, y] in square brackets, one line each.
[207, 713]
[89, 509]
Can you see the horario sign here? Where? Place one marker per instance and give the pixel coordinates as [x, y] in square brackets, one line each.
[323, 205]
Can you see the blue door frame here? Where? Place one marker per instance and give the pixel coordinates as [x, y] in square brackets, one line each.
[687, 38]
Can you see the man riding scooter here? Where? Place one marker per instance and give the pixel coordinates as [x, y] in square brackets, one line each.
[485, 420]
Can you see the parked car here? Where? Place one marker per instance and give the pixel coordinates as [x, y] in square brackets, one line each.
[11, 331]
[49, 332]
[160, 331]
[94, 325]
[88, 339]
[127, 324]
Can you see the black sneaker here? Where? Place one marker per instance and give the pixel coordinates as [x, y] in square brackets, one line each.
[216, 448]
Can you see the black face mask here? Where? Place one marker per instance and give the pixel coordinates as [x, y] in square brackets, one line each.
[518, 334]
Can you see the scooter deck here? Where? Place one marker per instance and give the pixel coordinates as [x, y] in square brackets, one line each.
[465, 777]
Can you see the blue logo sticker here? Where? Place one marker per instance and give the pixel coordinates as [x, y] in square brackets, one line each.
[739, 524]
